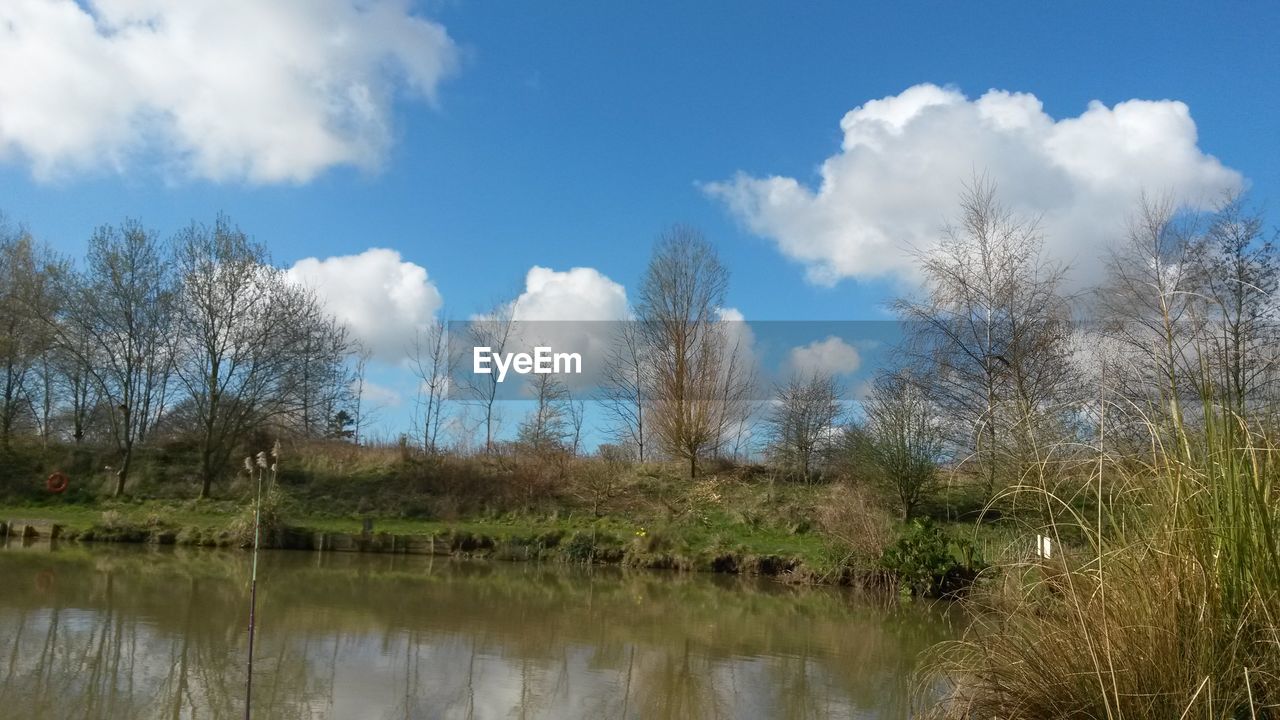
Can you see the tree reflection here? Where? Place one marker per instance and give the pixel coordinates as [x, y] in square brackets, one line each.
[152, 633]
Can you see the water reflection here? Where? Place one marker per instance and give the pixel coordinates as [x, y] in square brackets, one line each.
[117, 632]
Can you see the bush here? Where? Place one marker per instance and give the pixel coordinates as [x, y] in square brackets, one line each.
[850, 516]
[241, 528]
[927, 562]
[581, 547]
[111, 520]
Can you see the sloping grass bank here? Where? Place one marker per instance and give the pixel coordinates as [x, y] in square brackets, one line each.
[734, 519]
[708, 546]
[709, 542]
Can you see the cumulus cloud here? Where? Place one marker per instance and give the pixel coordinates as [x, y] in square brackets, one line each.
[222, 90]
[740, 339]
[382, 298]
[578, 294]
[904, 159]
[730, 315]
[831, 356]
[570, 311]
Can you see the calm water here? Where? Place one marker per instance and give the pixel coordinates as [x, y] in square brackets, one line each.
[133, 632]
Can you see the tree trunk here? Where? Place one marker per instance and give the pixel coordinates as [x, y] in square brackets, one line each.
[206, 473]
[126, 449]
[122, 475]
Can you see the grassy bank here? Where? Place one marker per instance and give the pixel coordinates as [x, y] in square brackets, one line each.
[737, 519]
[704, 545]
[803, 557]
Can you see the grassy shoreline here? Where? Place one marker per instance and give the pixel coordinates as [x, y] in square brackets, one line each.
[736, 548]
[569, 539]
[733, 519]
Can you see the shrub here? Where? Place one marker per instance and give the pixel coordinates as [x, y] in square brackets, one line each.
[581, 547]
[111, 520]
[241, 528]
[850, 516]
[925, 561]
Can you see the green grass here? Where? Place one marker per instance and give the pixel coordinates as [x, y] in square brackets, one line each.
[693, 540]
[691, 536]
[82, 517]
[739, 517]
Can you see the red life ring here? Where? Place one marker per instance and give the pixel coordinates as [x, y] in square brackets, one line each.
[57, 482]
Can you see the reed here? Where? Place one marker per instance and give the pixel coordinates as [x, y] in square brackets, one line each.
[1168, 608]
[256, 470]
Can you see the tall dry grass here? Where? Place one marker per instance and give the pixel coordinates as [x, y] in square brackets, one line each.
[1169, 608]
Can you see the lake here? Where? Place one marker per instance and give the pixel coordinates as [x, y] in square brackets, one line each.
[147, 632]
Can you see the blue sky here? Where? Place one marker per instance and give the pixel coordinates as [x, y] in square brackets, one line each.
[570, 134]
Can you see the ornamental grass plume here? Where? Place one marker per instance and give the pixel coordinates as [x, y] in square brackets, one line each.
[1171, 607]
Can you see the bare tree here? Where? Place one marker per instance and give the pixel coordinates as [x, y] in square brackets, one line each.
[547, 427]
[681, 292]
[577, 412]
[735, 391]
[357, 402]
[80, 388]
[121, 321]
[237, 339]
[597, 482]
[1147, 309]
[322, 379]
[625, 387]
[993, 332]
[1235, 272]
[42, 395]
[901, 441]
[802, 422]
[492, 331]
[29, 277]
[434, 366]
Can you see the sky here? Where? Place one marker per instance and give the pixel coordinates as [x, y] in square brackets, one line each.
[414, 159]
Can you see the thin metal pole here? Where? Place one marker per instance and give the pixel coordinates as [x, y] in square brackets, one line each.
[253, 594]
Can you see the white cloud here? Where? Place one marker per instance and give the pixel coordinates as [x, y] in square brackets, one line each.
[571, 311]
[738, 335]
[831, 356]
[730, 315]
[578, 294]
[382, 298]
[223, 90]
[905, 158]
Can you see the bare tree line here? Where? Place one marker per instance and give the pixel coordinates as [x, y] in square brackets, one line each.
[1001, 364]
[1011, 371]
[677, 382]
[198, 338]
